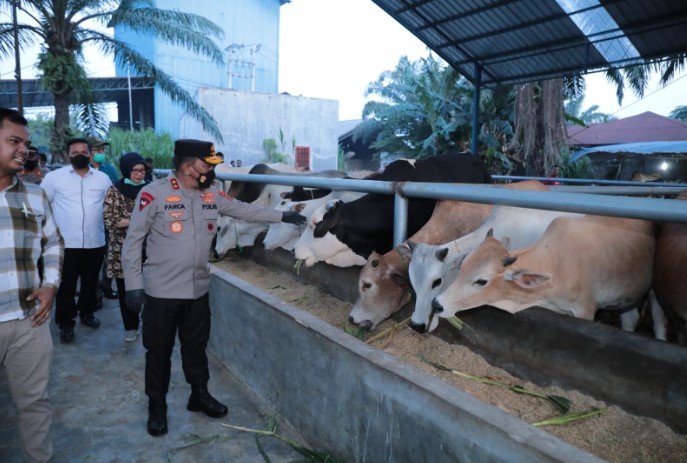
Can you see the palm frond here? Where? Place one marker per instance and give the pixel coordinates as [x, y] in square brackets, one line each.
[141, 66]
[180, 29]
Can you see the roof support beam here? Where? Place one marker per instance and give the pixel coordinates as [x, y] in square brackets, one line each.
[474, 148]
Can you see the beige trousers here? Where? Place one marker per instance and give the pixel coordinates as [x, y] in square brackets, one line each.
[26, 353]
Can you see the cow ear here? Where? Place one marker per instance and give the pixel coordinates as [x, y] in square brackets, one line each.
[508, 260]
[332, 206]
[441, 254]
[527, 279]
[406, 249]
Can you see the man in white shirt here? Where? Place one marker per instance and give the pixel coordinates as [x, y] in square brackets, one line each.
[76, 193]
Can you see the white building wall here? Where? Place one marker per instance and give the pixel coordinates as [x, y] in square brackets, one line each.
[246, 119]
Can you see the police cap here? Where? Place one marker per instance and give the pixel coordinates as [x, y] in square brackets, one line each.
[197, 149]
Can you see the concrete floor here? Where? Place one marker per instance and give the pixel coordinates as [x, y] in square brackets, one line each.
[100, 408]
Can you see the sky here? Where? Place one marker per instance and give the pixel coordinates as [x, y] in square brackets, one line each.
[333, 49]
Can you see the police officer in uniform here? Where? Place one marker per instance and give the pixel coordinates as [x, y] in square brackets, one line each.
[176, 218]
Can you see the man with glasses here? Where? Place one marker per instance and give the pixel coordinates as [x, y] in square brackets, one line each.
[177, 218]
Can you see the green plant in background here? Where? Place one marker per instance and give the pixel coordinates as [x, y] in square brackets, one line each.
[147, 142]
[581, 168]
[277, 152]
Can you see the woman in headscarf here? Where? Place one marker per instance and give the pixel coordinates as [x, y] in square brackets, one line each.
[119, 203]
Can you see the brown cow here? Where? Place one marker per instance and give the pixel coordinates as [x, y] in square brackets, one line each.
[670, 273]
[383, 285]
[578, 266]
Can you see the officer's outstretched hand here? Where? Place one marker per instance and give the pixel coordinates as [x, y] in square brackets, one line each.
[292, 217]
[134, 300]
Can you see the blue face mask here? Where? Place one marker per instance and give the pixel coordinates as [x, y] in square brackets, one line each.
[100, 157]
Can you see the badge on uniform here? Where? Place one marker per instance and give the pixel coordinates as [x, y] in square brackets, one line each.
[146, 198]
[176, 215]
[175, 227]
[175, 183]
[173, 199]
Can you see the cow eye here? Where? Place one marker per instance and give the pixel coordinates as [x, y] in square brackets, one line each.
[480, 282]
[367, 285]
[436, 283]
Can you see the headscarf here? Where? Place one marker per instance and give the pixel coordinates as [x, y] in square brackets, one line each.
[126, 163]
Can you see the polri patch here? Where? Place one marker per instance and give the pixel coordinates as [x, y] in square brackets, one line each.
[176, 215]
[146, 199]
[175, 227]
[173, 199]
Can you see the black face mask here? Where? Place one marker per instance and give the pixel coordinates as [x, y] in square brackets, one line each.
[30, 165]
[205, 180]
[79, 161]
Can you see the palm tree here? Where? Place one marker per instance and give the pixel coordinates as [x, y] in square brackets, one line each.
[61, 27]
[679, 113]
[539, 131]
[574, 114]
[424, 108]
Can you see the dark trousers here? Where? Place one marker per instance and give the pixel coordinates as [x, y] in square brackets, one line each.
[84, 265]
[130, 319]
[162, 318]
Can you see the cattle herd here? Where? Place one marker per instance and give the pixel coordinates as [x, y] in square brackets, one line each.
[464, 255]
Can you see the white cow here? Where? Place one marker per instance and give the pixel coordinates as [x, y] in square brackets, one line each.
[285, 235]
[233, 232]
[580, 264]
[433, 268]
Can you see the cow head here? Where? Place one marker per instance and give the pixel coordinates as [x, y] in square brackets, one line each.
[383, 288]
[328, 248]
[431, 270]
[487, 277]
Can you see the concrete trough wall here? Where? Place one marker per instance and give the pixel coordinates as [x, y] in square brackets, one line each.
[640, 374]
[354, 401]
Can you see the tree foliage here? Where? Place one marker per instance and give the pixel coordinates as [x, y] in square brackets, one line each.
[424, 108]
[680, 113]
[62, 29]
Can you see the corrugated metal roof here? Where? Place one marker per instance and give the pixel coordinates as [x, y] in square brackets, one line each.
[515, 41]
[656, 147]
[645, 127]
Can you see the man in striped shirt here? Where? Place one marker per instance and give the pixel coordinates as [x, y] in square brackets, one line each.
[28, 232]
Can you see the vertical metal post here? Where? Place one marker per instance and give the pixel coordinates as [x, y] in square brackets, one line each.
[474, 146]
[131, 111]
[400, 218]
[17, 60]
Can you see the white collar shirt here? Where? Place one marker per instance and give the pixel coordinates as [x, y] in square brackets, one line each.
[77, 203]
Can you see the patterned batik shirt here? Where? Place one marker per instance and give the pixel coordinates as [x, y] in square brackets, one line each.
[28, 232]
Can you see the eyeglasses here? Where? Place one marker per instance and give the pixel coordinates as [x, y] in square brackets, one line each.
[138, 171]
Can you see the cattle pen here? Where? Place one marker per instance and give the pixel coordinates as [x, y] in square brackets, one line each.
[362, 405]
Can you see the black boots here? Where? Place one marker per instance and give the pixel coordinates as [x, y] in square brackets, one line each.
[157, 418]
[202, 401]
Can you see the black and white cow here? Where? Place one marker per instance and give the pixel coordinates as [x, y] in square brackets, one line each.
[366, 224]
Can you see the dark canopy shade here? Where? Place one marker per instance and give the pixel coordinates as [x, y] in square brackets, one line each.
[513, 41]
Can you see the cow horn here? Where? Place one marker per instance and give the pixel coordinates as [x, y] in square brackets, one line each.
[441, 254]
[508, 260]
[490, 233]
